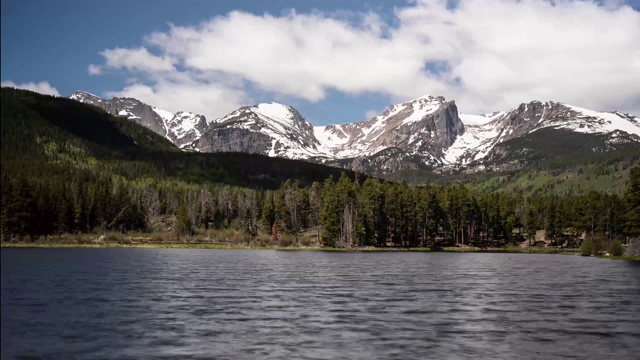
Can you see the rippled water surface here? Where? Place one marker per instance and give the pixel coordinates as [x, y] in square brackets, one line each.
[141, 303]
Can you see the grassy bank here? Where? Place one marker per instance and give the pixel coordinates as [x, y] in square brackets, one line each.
[288, 248]
[631, 258]
[51, 245]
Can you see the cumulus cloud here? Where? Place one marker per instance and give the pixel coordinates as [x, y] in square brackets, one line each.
[139, 59]
[370, 114]
[196, 97]
[42, 87]
[94, 70]
[486, 54]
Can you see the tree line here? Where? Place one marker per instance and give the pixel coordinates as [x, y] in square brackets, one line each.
[342, 212]
[68, 167]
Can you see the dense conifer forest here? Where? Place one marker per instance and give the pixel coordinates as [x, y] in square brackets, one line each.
[70, 168]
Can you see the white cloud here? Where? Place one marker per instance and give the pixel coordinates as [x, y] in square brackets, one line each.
[186, 96]
[498, 53]
[94, 70]
[42, 87]
[139, 59]
[370, 114]
[507, 52]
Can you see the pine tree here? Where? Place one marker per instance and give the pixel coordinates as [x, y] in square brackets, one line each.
[182, 223]
[268, 213]
[315, 203]
[345, 191]
[632, 199]
[330, 213]
[550, 220]
[292, 201]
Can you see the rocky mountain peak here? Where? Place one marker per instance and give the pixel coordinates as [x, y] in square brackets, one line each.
[268, 128]
[284, 114]
[85, 97]
[420, 127]
[181, 128]
[478, 142]
[427, 132]
[428, 98]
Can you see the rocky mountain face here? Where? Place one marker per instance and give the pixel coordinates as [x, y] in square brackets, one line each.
[478, 144]
[269, 129]
[181, 128]
[421, 128]
[426, 133]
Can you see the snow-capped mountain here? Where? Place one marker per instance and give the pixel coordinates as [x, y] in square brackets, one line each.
[271, 129]
[421, 127]
[424, 133]
[478, 140]
[181, 128]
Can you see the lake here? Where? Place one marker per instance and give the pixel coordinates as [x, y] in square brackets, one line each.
[267, 304]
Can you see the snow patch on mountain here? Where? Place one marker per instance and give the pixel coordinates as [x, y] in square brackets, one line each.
[166, 117]
[330, 137]
[469, 119]
[380, 132]
[475, 143]
[589, 121]
[85, 97]
[291, 136]
[427, 130]
[275, 111]
[479, 140]
[181, 128]
[181, 125]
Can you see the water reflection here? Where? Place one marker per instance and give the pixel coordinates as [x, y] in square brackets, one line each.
[89, 303]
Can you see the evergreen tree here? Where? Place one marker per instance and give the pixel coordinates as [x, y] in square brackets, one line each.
[268, 213]
[330, 213]
[632, 199]
[315, 204]
[550, 220]
[182, 223]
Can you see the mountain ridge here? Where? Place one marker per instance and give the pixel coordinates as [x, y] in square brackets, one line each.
[49, 135]
[424, 133]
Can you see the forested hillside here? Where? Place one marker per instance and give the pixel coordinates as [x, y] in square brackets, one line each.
[548, 161]
[69, 167]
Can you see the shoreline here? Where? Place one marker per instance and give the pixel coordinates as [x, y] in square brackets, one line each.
[506, 250]
[107, 245]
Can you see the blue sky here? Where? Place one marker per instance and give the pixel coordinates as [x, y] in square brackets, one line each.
[384, 51]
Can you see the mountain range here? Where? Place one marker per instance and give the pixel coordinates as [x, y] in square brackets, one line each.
[427, 133]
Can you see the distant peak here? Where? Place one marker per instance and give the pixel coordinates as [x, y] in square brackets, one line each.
[127, 98]
[272, 104]
[271, 107]
[81, 93]
[186, 113]
[276, 110]
[544, 102]
[428, 97]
